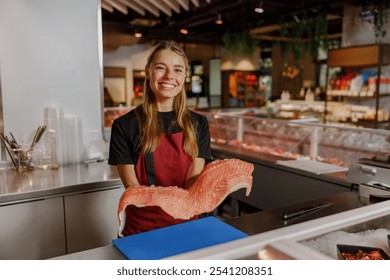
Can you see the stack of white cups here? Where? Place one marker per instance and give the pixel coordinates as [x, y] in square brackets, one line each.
[74, 139]
[54, 120]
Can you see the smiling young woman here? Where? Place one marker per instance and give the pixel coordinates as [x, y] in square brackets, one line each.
[161, 142]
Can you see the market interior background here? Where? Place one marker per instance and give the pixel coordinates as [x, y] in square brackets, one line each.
[281, 83]
[243, 54]
[283, 44]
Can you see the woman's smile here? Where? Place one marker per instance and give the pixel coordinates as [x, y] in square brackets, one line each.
[167, 86]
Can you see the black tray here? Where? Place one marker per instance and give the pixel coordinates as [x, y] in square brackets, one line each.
[352, 249]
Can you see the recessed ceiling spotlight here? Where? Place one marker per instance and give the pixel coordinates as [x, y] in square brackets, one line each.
[219, 19]
[259, 9]
[184, 31]
[138, 34]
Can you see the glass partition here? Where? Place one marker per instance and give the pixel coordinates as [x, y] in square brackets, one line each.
[297, 139]
[2, 150]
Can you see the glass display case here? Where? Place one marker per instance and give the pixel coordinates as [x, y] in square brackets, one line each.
[372, 233]
[296, 139]
[367, 226]
[312, 240]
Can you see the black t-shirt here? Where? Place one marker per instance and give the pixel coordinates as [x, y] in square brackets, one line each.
[125, 136]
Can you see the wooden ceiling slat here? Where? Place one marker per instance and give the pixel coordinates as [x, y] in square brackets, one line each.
[185, 4]
[195, 2]
[107, 6]
[257, 31]
[148, 7]
[173, 5]
[198, 15]
[118, 6]
[265, 29]
[134, 6]
[162, 7]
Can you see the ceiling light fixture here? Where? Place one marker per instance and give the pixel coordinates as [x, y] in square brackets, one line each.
[137, 34]
[296, 18]
[259, 9]
[219, 19]
[184, 31]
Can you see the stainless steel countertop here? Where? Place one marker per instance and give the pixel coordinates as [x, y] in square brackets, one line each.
[40, 183]
[108, 252]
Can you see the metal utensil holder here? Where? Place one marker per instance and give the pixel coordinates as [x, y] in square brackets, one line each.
[21, 158]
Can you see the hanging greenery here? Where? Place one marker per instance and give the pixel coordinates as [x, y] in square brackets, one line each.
[304, 35]
[377, 13]
[320, 38]
[238, 43]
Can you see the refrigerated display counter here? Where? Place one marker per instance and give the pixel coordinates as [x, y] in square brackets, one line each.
[313, 239]
[268, 229]
[296, 139]
[295, 161]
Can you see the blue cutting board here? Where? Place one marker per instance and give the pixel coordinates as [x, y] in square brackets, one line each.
[177, 239]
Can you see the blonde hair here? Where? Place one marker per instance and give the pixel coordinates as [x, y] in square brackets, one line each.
[151, 128]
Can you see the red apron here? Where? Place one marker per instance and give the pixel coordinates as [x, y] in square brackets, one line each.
[167, 166]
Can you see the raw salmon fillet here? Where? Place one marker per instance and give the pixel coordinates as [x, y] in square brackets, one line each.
[216, 181]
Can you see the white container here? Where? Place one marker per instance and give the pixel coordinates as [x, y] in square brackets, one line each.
[74, 139]
[54, 120]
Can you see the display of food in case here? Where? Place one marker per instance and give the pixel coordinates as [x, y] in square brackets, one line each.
[363, 241]
[293, 139]
[363, 236]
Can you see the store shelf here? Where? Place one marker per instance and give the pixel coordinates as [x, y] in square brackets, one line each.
[351, 87]
[241, 89]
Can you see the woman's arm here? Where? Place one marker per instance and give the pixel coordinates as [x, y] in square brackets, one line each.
[127, 174]
[194, 170]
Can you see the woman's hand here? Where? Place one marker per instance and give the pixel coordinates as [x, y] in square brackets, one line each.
[127, 174]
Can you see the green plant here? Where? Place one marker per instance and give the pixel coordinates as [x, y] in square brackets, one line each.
[304, 35]
[237, 43]
[377, 13]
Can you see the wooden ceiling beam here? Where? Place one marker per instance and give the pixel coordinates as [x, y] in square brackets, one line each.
[265, 29]
[185, 4]
[173, 4]
[107, 6]
[275, 27]
[162, 7]
[288, 39]
[195, 2]
[134, 6]
[118, 6]
[147, 6]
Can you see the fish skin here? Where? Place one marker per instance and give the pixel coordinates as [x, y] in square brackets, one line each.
[216, 181]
